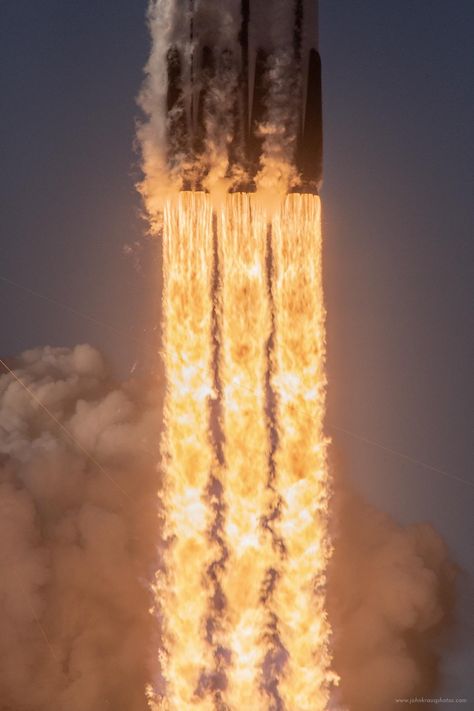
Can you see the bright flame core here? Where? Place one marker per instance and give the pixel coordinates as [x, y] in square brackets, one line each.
[182, 594]
[275, 493]
[299, 382]
[245, 330]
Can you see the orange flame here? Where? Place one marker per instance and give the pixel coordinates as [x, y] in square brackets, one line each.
[296, 604]
[182, 594]
[245, 329]
[299, 382]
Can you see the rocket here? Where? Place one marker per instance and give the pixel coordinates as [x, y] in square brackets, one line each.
[266, 32]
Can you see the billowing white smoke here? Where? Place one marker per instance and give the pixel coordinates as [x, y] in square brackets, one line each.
[74, 550]
[76, 554]
[391, 592]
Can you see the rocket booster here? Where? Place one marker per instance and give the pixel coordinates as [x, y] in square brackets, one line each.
[269, 34]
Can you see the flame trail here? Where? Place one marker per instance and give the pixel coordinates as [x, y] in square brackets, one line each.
[294, 607]
[232, 102]
[245, 329]
[181, 589]
[302, 479]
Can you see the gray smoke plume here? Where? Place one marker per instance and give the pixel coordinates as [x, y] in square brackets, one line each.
[75, 550]
[78, 542]
[391, 597]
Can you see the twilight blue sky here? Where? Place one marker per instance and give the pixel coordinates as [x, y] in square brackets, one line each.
[398, 214]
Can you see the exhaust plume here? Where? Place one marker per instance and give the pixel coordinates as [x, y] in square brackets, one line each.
[76, 555]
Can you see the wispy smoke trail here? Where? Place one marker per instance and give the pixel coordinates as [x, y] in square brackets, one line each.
[279, 127]
[206, 81]
[218, 119]
[217, 26]
[153, 134]
[194, 122]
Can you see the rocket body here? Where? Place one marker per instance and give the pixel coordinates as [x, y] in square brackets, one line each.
[258, 52]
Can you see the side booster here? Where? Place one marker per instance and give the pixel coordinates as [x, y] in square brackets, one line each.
[202, 58]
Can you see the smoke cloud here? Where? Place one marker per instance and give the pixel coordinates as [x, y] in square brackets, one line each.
[78, 549]
[75, 550]
[390, 598]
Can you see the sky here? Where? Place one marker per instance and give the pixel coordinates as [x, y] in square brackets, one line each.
[76, 265]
